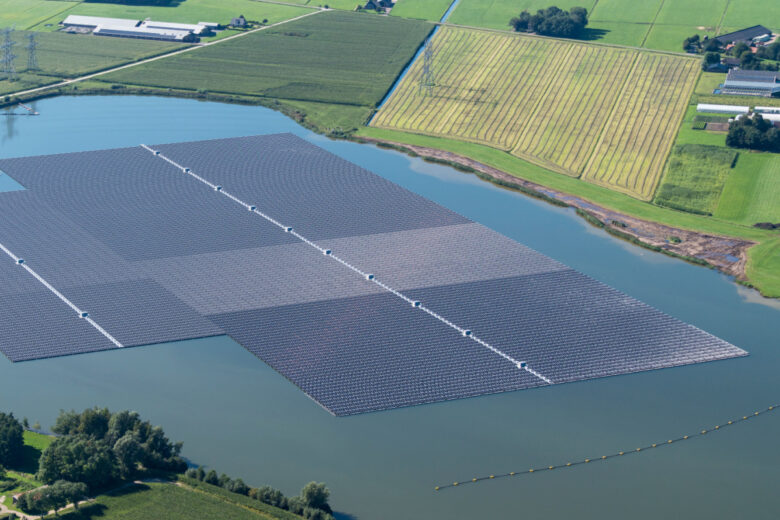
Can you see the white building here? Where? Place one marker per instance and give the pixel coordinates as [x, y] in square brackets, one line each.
[722, 109]
[143, 29]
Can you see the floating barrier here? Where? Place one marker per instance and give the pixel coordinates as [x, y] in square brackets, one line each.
[613, 455]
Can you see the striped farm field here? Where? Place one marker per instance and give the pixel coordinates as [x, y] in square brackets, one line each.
[606, 114]
[631, 153]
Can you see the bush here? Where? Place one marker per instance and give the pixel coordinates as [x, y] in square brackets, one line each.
[11, 439]
[699, 125]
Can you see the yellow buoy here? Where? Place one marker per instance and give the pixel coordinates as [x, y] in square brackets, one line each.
[639, 449]
[550, 467]
[473, 480]
[568, 463]
[717, 427]
[669, 441]
[587, 460]
[436, 488]
[454, 483]
[603, 457]
[621, 453]
[512, 474]
[703, 432]
[685, 437]
[654, 445]
[492, 476]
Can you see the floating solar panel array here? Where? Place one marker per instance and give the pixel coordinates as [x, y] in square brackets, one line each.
[364, 295]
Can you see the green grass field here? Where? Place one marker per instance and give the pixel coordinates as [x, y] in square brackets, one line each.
[188, 11]
[616, 11]
[169, 502]
[605, 113]
[62, 55]
[695, 177]
[625, 22]
[25, 14]
[752, 192]
[422, 9]
[333, 57]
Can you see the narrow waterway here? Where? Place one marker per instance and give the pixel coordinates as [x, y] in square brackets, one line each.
[237, 415]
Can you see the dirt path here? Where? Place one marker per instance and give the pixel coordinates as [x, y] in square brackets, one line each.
[155, 58]
[726, 254]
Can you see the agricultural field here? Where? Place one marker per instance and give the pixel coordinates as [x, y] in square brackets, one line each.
[634, 145]
[171, 502]
[329, 57]
[653, 24]
[188, 11]
[25, 14]
[752, 191]
[422, 9]
[606, 114]
[695, 177]
[62, 55]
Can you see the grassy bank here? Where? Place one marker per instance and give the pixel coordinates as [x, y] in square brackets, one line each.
[173, 502]
[764, 259]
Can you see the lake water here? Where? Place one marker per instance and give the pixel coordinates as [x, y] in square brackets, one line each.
[240, 417]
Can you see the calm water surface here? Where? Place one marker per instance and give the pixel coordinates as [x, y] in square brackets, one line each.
[239, 416]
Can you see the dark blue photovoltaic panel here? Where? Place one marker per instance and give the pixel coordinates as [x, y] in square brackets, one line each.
[370, 353]
[38, 325]
[154, 255]
[141, 312]
[570, 327]
[319, 194]
[140, 206]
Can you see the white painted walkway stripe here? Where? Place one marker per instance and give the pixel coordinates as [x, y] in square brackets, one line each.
[464, 332]
[18, 261]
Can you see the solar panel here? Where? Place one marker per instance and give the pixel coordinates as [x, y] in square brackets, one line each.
[363, 294]
[369, 353]
[318, 193]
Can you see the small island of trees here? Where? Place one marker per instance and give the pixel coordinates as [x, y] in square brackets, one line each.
[552, 21]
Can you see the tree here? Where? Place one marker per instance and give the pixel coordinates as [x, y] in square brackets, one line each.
[754, 133]
[128, 453]
[711, 58]
[78, 458]
[712, 45]
[11, 439]
[238, 486]
[55, 496]
[211, 478]
[315, 495]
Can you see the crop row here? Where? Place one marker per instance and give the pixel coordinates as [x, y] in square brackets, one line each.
[631, 153]
[607, 114]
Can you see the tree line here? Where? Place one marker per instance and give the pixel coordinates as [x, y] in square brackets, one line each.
[552, 21]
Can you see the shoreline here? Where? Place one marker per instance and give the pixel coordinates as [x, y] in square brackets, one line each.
[725, 254]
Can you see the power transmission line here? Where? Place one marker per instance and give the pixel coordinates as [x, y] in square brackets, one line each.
[8, 54]
[427, 79]
[32, 54]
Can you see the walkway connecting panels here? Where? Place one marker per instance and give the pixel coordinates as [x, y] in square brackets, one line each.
[363, 294]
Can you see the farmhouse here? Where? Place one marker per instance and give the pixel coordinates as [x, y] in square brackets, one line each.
[239, 22]
[751, 83]
[755, 33]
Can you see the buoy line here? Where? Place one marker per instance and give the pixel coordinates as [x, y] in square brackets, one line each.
[603, 458]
